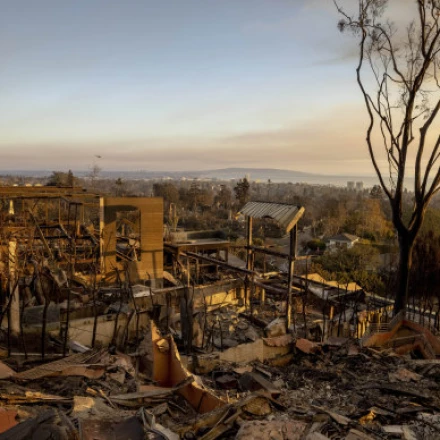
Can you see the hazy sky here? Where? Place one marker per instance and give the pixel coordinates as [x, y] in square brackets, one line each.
[178, 85]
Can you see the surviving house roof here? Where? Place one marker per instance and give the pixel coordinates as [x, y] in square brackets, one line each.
[315, 277]
[349, 238]
[286, 215]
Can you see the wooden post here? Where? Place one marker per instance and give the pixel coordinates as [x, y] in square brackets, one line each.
[292, 258]
[197, 277]
[249, 243]
[248, 259]
[75, 235]
[11, 207]
[331, 313]
[14, 311]
[186, 316]
[101, 234]
[66, 334]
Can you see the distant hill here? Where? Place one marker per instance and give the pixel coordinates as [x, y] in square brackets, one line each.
[260, 174]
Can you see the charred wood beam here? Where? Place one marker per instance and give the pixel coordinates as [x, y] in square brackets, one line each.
[274, 290]
[292, 256]
[167, 289]
[55, 237]
[259, 322]
[267, 251]
[219, 263]
[47, 226]
[41, 235]
[63, 229]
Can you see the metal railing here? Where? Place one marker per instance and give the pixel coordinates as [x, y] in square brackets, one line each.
[382, 327]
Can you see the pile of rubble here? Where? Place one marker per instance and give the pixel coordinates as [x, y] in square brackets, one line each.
[335, 390]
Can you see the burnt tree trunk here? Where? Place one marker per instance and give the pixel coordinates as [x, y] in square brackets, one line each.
[406, 244]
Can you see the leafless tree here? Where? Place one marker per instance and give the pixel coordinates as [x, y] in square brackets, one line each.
[398, 75]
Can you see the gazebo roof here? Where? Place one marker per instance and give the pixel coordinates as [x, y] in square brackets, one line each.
[286, 215]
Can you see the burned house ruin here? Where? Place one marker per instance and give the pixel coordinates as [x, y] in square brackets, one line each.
[96, 293]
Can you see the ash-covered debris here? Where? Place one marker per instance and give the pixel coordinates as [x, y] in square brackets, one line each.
[336, 391]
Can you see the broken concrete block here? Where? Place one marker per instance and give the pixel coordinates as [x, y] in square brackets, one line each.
[279, 383]
[243, 369]
[274, 430]
[404, 375]
[204, 364]
[307, 346]
[251, 334]
[393, 429]
[254, 382]
[82, 404]
[242, 325]
[258, 407]
[275, 328]
[125, 362]
[402, 431]
[227, 382]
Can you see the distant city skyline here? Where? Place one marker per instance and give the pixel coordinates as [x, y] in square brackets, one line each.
[175, 85]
